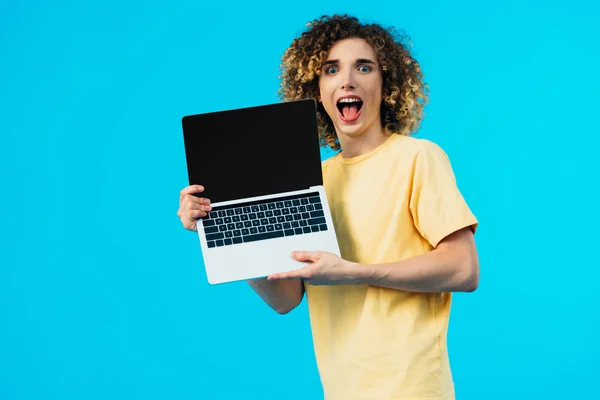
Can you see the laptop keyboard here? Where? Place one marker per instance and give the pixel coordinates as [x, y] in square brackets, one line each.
[263, 220]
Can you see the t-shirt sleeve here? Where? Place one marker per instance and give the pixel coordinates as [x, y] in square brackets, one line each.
[437, 206]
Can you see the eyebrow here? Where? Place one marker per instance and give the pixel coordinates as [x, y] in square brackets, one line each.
[358, 61]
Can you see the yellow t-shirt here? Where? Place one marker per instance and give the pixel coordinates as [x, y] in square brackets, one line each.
[393, 203]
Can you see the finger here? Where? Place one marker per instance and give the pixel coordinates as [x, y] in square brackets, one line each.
[190, 190]
[193, 209]
[190, 202]
[306, 255]
[198, 213]
[284, 275]
[295, 274]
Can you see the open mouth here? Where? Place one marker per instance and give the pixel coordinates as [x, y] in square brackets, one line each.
[349, 108]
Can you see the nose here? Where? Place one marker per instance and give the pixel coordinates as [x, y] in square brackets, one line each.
[348, 81]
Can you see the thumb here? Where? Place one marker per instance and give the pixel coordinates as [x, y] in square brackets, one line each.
[305, 255]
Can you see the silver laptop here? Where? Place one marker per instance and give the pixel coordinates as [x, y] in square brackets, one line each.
[261, 169]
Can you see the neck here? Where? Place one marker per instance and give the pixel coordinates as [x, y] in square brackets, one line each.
[353, 146]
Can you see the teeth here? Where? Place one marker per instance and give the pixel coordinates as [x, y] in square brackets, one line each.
[349, 100]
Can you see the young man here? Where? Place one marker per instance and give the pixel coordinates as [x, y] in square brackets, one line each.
[379, 314]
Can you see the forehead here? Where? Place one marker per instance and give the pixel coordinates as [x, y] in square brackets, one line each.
[351, 49]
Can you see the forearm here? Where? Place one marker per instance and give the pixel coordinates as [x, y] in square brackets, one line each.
[282, 296]
[441, 270]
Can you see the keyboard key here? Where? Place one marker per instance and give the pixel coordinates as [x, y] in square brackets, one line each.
[263, 207]
[244, 217]
[270, 228]
[238, 211]
[245, 232]
[229, 234]
[304, 201]
[208, 222]
[254, 208]
[255, 222]
[227, 220]
[289, 218]
[236, 218]
[294, 210]
[295, 224]
[278, 227]
[306, 229]
[264, 221]
[237, 240]
[239, 225]
[247, 224]
[297, 217]
[317, 214]
[302, 209]
[221, 213]
[271, 206]
[296, 202]
[280, 219]
[316, 221]
[298, 231]
[280, 204]
[227, 242]
[285, 211]
[315, 228]
[322, 227]
[277, 213]
[289, 232]
[310, 207]
[303, 222]
[211, 244]
[214, 214]
[237, 232]
[314, 200]
[219, 242]
[252, 216]
[222, 228]
[246, 210]
[219, 221]
[230, 212]
[231, 226]
[269, 213]
[287, 225]
[253, 231]
[305, 215]
[318, 206]
[288, 203]
[260, 214]
[262, 229]
[272, 220]
[211, 229]
[263, 236]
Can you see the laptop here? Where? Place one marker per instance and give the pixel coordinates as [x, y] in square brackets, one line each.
[261, 168]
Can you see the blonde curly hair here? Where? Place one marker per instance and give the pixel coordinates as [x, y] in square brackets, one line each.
[405, 92]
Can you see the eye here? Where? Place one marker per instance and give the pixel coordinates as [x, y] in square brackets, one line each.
[331, 70]
[364, 69]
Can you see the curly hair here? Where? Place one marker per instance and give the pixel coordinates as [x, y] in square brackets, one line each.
[405, 92]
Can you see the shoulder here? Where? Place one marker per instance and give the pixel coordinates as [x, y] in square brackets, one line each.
[413, 148]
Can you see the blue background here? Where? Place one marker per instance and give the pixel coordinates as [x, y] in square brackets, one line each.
[102, 293]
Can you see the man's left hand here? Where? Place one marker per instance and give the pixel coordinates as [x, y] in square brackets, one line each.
[323, 269]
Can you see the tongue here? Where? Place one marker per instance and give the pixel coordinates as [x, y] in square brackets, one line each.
[350, 111]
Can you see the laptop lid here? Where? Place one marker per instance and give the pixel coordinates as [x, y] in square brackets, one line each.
[253, 151]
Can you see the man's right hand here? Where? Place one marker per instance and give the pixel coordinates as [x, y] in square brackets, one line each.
[191, 207]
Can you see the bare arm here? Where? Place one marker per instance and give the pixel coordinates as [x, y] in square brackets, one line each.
[453, 266]
[281, 296]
